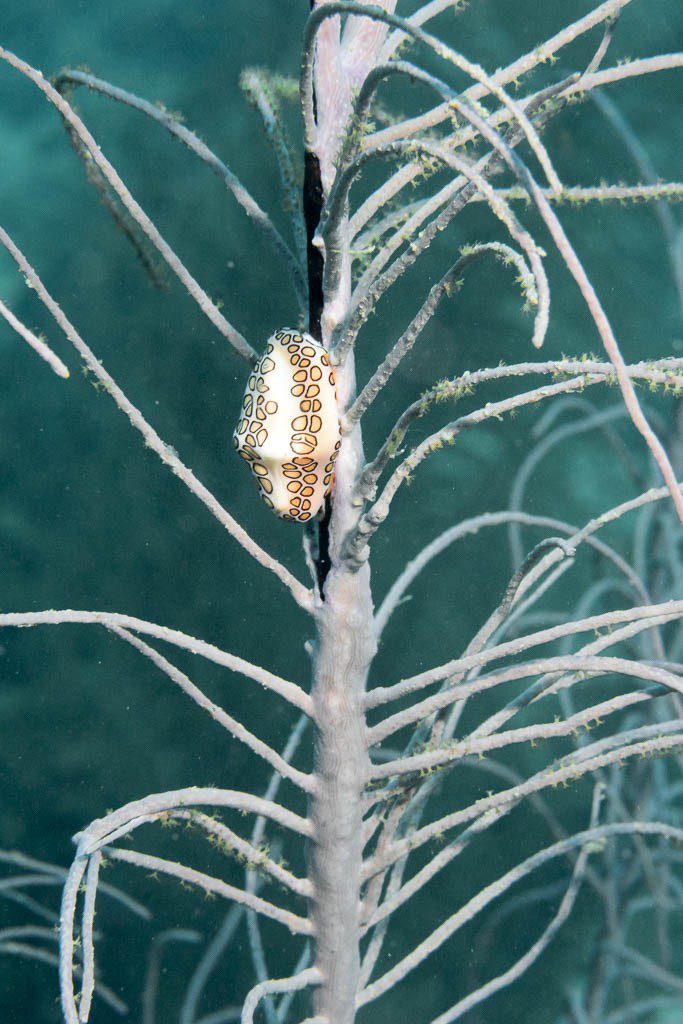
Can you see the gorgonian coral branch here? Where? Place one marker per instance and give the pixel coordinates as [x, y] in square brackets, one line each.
[112, 620]
[136, 212]
[301, 595]
[189, 139]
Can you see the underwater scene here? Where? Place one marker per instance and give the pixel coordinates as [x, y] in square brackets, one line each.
[341, 450]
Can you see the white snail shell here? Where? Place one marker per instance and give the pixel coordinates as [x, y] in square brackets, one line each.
[288, 430]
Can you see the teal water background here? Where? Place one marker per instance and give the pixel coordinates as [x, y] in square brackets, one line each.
[89, 519]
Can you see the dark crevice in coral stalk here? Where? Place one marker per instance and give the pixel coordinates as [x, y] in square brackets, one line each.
[313, 199]
[323, 562]
[313, 204]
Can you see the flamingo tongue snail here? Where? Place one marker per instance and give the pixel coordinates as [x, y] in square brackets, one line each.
[288, 431]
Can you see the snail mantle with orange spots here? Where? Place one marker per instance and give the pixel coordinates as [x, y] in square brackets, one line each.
[288, 432]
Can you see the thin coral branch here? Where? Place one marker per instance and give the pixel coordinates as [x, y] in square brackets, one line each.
[305, 979]
[21, 881]
[598, 314]
[258, 955]
[44, 956]
[295, 924]
[233, 919]
[587, 666]
[287, 998]
[256, 858]
[257, 85]
[18, 859]
[424, 14]
[27, 931]
[643, 1009]
[251, 882]
[611, 346]
[485, 942]
[365, 292]
[649, 742]
[549, 439]
[470, 527]
[574, 86]
[87, 942]
[539, 947]
[59, 874]
[112, 620]
[448, 283]
[574, 89]
[67, 970]
[211, 956]
[601, 52]
[336, 205]
[610, 742]
[106, 830]
[667, 373]
[415, 807]
[28, 903]
[552, 683]
[36, 343]
[301, 595]
[629, 69]
[383, 197]
[374, 78]
[424, 122]
[66, 938]
[440, 935]
[234, 727]
[641, 159]
[629, 587]
[227, 1015]
[381, 695]
[610, 516]
[136, 212]
[439, 729]
[152, 975]
[575, 195]
[379, 932]
[450, 199]
[172, 124]
[367, 240]
[357, 549]
[645, 968]
[471, 69]
[513, 72]
[590, 297]
[436, 729]
[374, 889]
